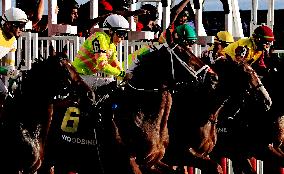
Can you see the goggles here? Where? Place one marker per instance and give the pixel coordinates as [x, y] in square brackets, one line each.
[19, 25]
[224, 44]
[264, 42]
[189, 42]
[121, 33]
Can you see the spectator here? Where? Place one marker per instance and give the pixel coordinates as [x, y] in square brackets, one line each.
[178, 17]
[182, 18]
[147, 21]
[68, 12]
[120, 5]
[12, 24]
[34, 10]
[104, 7]
[85, 24]
[98, 53]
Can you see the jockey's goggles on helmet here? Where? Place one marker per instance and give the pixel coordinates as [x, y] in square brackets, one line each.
[189, 42]
[20, 25]
[222, 43]
[265, 42]
[121, 33]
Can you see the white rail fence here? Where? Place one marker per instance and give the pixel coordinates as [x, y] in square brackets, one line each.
[30, 46]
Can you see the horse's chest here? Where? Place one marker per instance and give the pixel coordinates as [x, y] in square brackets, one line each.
[73, 125]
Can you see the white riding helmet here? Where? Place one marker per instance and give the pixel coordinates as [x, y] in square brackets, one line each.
[116, 21]
[15, 15]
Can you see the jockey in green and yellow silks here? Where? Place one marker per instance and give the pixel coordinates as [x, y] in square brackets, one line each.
[98, 53]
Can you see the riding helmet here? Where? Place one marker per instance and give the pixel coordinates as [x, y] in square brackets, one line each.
[15, 15]
[116, 21]
[224, 36]
[186, 32]
[264, 32]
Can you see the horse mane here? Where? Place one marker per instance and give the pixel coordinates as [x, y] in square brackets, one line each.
[41, 77]
[151, 68]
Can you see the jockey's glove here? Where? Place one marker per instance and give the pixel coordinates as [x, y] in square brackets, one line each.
[12, 73]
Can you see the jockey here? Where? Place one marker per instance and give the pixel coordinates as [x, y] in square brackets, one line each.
[184, 35]
[98, 53]
[213, 53]
[167, 36]
[252, 49]
[12, 24]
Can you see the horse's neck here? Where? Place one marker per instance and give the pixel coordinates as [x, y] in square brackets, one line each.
[194, 62]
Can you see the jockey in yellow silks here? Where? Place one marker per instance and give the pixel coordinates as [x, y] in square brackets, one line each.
[12, 24]
[251, 49]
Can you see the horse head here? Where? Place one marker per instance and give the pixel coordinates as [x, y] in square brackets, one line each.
[202, 73]
[173, 66]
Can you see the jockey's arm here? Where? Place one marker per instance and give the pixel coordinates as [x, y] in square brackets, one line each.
[103, 65]
[9, 65]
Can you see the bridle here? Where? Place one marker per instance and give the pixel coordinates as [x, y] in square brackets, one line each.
[196, 74]
[199, 75]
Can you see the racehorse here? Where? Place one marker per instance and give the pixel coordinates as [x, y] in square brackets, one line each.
[240, 136]
[194, 136]
[146, 103]
[273, 160]
[26, 116]
[263, 140]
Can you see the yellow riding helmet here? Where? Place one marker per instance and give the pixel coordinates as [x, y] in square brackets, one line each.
[224, 36]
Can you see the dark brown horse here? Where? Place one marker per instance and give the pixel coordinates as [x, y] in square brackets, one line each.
[195, 135]
[261, 140]
[250, 101]
[26, 117]
[143, 108]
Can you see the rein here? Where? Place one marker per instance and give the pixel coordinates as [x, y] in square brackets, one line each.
[195, 74]
[142, 89]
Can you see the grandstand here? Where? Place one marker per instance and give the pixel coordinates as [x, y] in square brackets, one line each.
[238, 22]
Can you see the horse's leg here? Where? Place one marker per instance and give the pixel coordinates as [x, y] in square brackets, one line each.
[273, 161]
[207, 165]
[164, 167]
[241, 164]
[134, 166]
[45, 169]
